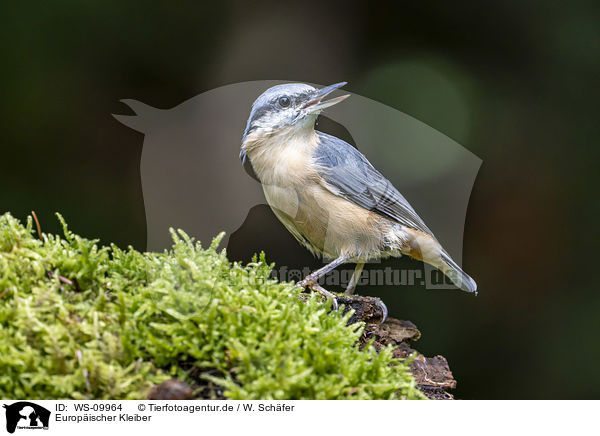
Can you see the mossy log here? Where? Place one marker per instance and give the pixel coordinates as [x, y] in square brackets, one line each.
[84, 321]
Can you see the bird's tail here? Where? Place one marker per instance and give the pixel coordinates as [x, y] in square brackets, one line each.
[423, 246]
[454, 272]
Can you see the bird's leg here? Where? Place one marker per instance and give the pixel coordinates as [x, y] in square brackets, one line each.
[355, 278]
[352, 287]
[312, 278]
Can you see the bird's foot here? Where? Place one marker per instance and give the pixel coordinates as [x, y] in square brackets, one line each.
[314, 286]
[348, 298]
[321, 290]
[384, 310]
[371, 310]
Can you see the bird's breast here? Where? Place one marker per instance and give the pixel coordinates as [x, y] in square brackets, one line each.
[284, 159]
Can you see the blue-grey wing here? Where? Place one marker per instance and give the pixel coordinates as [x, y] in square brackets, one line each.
[347, 173]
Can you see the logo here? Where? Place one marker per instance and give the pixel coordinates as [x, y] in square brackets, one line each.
[26, 415]
[192, 177]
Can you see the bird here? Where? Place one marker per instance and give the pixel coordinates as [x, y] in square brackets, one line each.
[328, 195]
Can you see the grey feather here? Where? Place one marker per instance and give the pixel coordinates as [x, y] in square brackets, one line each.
[347, 173]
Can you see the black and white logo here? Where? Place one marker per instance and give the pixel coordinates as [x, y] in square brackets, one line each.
[26, 415]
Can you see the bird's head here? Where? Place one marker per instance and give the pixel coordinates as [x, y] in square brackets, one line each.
[289, 106]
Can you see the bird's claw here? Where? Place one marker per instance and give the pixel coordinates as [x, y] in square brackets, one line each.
[321, 290]
[313, 286]
[384, 310]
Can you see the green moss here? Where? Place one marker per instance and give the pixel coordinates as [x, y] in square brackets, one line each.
[83, 321]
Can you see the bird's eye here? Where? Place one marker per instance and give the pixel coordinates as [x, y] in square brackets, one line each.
[284, 101]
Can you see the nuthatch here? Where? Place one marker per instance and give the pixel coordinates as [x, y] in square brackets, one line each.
[327, 194]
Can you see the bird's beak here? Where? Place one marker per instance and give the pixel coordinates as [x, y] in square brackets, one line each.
[316, 103]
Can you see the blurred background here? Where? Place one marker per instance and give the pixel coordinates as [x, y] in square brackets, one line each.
[516, 83]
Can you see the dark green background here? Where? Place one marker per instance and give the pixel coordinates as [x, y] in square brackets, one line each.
[514, 82]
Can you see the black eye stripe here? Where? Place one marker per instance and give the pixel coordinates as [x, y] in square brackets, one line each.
[272, 105]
